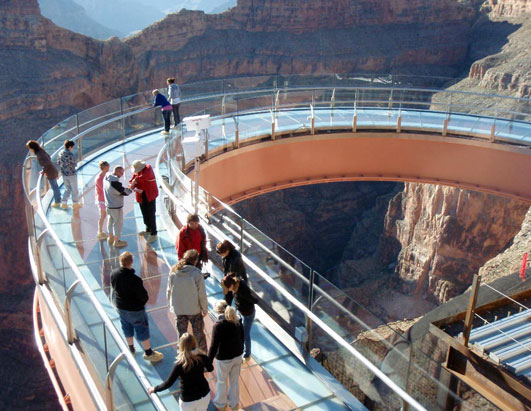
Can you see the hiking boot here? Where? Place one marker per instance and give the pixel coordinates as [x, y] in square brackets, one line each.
[56, 205]
[151, 238]
[119, 243]
[154, 357]
[110, 239]
[102, 235]
[76, 206]
[64, 205]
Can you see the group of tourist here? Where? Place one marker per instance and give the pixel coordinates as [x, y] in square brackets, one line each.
[169, 105]
[186, 293]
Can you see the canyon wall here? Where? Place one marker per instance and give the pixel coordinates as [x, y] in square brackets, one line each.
[49, 73]
[443, 235]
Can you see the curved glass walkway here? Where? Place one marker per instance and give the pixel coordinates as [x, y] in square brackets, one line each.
[70, 264]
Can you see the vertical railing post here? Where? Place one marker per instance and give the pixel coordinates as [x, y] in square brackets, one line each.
[77, 124]
[40, 273]
[79, 142]
[205, 133]
[242, 226]
[310, 308]
[236, 132]
[197, 164]
[105, 347]
[470, 310]
[122, 120]
[70, 330]
[109, 395]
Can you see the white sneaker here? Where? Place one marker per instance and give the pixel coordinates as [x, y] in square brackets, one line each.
[165, 132]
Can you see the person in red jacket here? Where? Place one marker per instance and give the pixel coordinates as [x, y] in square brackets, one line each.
[192, 236]
[144, 184]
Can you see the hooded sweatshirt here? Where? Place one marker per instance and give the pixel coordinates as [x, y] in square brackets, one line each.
[114, 191]
[186, 291]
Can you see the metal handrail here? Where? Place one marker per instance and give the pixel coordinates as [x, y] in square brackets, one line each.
[305, 87]
[96, 304]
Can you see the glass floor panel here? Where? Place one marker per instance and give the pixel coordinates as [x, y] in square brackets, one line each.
[96, 259]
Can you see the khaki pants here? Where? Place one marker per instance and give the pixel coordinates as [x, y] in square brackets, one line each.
[115, 221]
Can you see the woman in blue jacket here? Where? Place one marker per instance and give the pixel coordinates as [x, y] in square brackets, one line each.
[166, 108]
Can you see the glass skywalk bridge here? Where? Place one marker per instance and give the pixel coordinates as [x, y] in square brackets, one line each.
[70, 264]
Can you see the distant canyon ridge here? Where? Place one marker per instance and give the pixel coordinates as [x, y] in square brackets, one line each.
[441, 235]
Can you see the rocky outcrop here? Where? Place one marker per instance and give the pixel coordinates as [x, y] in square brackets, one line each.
[510, 260]
[506, 8]
[509, 70]
[442, 236]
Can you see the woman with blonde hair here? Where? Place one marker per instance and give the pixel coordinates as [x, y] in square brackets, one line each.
[190, 366]
[227, 348]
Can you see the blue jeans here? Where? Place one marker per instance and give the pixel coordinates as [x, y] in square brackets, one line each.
[247, 321]
[132, 321]
[55, 189]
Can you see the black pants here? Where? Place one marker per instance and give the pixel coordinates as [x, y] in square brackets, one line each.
[176, 118]
[148, 209]
[166, 115]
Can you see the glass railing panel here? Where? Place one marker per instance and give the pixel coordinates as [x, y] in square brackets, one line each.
[91, 333]
[65, 127]
[129, 394]
[254, 101]
[55, 275]
[374, 98]
[513, 131]
[98, 114]
[250, 83]
[210, 87]
[142, 121]
[292, 99]
[100, 137]
[136, 101]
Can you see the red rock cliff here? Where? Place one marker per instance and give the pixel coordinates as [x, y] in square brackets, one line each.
[443, 235]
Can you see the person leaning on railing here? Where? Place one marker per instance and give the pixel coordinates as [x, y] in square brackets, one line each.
[48, 169]
[166, 108]
[232, 263]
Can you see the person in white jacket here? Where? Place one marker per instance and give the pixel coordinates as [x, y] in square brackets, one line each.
[174, 95]
[187, 297]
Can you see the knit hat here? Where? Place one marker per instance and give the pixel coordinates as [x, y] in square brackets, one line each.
[138, 165]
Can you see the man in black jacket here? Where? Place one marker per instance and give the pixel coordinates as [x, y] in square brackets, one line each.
[129, 297]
